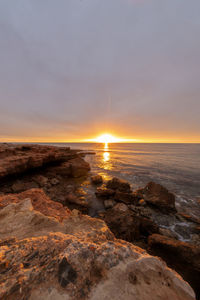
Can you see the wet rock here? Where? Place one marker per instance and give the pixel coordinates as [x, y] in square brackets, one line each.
[118, 184]
[181, 256]
[72, 198]
[183, 230]
[104, 193]
[97, 179]
[127, 198]
[141, 202]
[168, 233]
[157, 195]
[109, 203]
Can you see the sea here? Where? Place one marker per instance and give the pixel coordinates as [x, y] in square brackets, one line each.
[175, 166]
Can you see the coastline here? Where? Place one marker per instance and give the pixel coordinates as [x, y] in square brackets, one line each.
[30, 173]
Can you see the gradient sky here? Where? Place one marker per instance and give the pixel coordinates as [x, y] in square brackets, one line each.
[72, 69]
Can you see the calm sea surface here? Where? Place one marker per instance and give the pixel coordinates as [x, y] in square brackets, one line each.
[176, 166]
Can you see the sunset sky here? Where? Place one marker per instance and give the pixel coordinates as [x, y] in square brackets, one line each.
[71, 70]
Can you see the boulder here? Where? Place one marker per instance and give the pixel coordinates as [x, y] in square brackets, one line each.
[158, 196]
[79, 258]
[119, 184]
[97, 179]
[40, 180]
[104, 193]
[126, 225]
[127, 198]
[181, 256]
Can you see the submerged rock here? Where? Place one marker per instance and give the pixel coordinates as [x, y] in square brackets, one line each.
[78, 258]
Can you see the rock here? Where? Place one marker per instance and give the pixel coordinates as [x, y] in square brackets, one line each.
[79, 258]
[40, 202]
[155, 194]
[127, 198]
[183, 230]
[97, 179]
[54, 181]
[168, 233]
[79, 167]
[64, 170]
[126, 225]
[72, 198]
[21, 186]
[40, 180]
[181, 256]
[109, 203]
[121, 207]
[19, 159]
[104, 193]
[118, 184]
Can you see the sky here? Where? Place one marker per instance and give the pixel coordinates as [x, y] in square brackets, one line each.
[71, 70]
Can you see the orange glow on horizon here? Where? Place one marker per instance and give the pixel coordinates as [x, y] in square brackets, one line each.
[108, 138]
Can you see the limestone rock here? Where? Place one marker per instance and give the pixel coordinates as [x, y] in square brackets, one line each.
[40, 203]
[19, 159]
[79, 258]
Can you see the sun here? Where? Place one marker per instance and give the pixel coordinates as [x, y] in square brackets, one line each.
[107, 138]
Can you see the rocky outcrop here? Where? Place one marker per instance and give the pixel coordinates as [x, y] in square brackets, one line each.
[181, 256]
[157, 195]
[19, 159]
[76, 257]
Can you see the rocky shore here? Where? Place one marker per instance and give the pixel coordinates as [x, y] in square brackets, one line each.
[50, 247]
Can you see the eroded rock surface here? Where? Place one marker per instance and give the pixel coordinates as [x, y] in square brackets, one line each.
[76, 257]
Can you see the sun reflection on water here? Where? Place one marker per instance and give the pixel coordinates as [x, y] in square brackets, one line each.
[106, 156]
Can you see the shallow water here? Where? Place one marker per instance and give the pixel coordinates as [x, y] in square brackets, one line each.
[176, 166]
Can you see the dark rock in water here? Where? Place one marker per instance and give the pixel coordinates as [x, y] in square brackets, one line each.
[181, 256]
[104, 193]
[119, 184]
[97, 179]
[128, 198]
[157, 195]
[66, 273]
